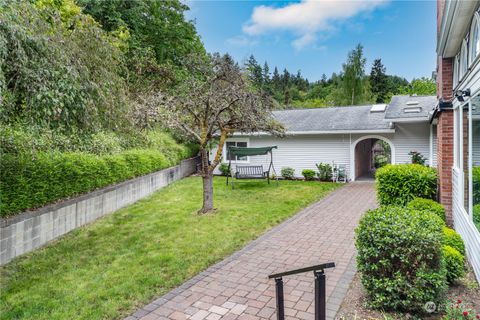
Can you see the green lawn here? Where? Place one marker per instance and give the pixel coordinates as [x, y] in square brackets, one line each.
[109, 268]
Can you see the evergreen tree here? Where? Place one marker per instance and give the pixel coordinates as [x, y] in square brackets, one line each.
[379, 81]
[276, 79]
[266, 73]
[254, 71]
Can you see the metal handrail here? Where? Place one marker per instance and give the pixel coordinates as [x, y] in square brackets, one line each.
[320, 289]
[302, 270]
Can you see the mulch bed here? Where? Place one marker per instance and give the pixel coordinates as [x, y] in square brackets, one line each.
[354, 305]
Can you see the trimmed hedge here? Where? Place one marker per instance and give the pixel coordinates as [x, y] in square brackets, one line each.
[399, 184]
[400, 258]
[453, 239]
[308, 174]
[30, 182]
[454, 262]
[428, 205]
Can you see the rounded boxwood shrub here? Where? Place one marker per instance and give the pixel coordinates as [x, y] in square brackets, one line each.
[288, 173]
[428, 205]
[400, 258]
[401, 183]
[454, 262]
[308, 174]
[453, 239]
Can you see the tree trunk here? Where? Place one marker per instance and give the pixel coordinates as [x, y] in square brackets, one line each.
[207, 193]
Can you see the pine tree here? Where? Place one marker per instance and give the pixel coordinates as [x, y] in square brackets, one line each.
[266, 73]
[254, 71]
[379, 81]
[276, 78]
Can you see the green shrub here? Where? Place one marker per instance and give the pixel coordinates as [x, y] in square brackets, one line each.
[454, 262]
[453, 239]
[308, 174]
[399, 184]
[476, 184]
[29, 182]
[288, 173]
[224, 169]
[400, 258]
[324, 171]
[476, 215]
[428, 205]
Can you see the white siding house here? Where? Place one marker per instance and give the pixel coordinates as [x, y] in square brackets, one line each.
[335, 135]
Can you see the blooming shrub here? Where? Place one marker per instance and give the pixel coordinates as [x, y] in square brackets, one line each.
[458, 310]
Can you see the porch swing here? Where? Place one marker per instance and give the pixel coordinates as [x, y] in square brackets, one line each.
[250, 171]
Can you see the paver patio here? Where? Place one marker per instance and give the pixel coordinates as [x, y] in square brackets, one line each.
[238, 287]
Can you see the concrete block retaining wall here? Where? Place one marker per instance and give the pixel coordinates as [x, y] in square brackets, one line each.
[27, 231]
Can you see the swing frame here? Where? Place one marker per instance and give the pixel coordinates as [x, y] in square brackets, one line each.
[250, 171]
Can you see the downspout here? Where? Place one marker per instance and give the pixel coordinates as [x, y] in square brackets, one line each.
[431, 145]
[350, 157]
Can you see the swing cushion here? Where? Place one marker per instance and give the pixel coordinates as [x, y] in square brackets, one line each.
[250, 172]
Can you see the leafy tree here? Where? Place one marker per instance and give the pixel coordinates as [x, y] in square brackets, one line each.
[354, 76]
[219, 104]
[422, 86]
[159, 26]
[58, 69]
[379, 81]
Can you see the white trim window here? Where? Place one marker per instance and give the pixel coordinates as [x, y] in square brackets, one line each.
[474, 38]
[463, 59]
[456, 68]
[235, 143]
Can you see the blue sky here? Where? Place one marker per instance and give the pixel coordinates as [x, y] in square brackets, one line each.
[315, 36]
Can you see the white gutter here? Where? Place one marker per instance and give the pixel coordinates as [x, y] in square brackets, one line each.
[292, 133]
[409, 120]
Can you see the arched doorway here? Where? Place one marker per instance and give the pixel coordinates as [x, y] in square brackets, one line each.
[371, 153]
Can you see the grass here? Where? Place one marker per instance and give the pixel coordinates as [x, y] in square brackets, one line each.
[109, 268]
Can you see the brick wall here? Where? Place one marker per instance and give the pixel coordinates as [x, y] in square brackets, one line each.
[445, 123]
[445, 159]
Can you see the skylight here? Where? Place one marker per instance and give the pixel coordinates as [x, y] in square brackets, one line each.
[378, 108]
[412, 110]
[412, 103]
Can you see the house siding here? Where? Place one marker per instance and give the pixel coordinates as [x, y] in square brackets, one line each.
[304, 151]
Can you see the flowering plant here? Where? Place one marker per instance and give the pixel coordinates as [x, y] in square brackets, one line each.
[458, 310]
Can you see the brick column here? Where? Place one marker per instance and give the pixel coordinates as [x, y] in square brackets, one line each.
[445, 159]
[445, 134]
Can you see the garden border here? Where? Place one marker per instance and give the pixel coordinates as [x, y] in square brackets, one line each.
[30, 230]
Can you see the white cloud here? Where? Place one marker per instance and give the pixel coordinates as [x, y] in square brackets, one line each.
[306, 18]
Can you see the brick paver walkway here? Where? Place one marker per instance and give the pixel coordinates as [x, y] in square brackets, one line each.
[238, 287]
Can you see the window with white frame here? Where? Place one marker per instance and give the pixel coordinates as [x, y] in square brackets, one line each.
[467, 157]
[456, 62]
[474, 42]
[235, 143]
[463, 60]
